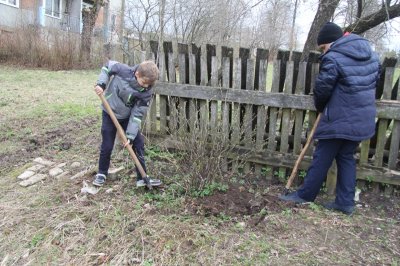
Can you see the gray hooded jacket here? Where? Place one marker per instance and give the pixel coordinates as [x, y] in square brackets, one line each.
[126, 97]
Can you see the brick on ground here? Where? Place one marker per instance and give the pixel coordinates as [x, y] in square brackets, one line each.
[32, 180]
[55, 171]
[43, 161]
[36, 167]
[26, 175]
[113, 173]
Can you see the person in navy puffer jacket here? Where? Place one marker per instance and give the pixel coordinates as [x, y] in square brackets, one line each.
[344, 94]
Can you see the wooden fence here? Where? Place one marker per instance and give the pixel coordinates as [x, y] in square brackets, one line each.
[228, 92]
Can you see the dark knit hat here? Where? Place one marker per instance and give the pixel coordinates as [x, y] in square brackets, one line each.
[330, 32]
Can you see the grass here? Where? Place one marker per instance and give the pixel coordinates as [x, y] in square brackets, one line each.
[38, 93]
[53, 223]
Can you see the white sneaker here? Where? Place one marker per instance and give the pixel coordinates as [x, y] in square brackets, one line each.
[99, 180]
[140, 183]
[153, 182]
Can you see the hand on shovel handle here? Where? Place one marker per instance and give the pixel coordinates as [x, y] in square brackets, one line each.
[124, 140]
[301, 156]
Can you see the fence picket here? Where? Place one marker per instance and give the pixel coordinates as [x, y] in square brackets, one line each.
[162, 99]
[383, 123]
[193, 108]
[395, 141]
[273, 114]
[203, 104]
[226, 106]
[214, 104]
[261, 111]
[173, 101]
[248, 110]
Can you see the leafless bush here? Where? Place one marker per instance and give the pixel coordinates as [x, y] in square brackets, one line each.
[207, 157]
[37, 47]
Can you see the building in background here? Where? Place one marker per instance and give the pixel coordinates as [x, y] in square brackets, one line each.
[65, 15]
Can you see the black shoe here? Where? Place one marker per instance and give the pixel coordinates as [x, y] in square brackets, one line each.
[293, 197]
[99, 180]
[344, 209]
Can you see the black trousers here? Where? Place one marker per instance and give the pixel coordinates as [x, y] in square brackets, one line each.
[108, 133]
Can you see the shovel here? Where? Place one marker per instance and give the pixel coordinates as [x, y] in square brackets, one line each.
[301, 156]
[124, 140]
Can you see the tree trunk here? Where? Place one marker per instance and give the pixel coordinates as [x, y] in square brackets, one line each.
[89, 16]
[161, 35]
[368, 22]
[291, 42]
[326, 9]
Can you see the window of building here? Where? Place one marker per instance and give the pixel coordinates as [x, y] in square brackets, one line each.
[10, 2]
[53, 8]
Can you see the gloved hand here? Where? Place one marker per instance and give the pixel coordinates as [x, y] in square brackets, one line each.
[129, 142]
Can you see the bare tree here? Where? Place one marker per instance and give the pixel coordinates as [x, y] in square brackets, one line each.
[89, 16]
[233, 23]
[142, 17]
[189, 19]
[361, 17]
[292, 39]
[201, 21]
[385, 13]
[326, 9]
[274, 26]
[162, 24]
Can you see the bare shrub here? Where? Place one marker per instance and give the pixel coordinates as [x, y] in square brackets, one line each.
[47, 48]
[207, 158]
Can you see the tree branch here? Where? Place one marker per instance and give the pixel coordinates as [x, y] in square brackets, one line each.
[368, 22]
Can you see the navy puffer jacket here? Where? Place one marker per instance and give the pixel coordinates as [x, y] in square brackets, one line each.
[345, 90]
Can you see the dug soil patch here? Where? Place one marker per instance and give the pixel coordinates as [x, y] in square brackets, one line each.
[239, 201]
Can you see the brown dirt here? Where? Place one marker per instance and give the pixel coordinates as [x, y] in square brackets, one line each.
[246, 200]
[287, 232]
[52, 141]
[238, 201]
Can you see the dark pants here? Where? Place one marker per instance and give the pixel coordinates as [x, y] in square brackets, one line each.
[326, 151]
[108, 133]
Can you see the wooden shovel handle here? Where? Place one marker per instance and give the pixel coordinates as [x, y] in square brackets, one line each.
[121, 135]
[303, 151]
